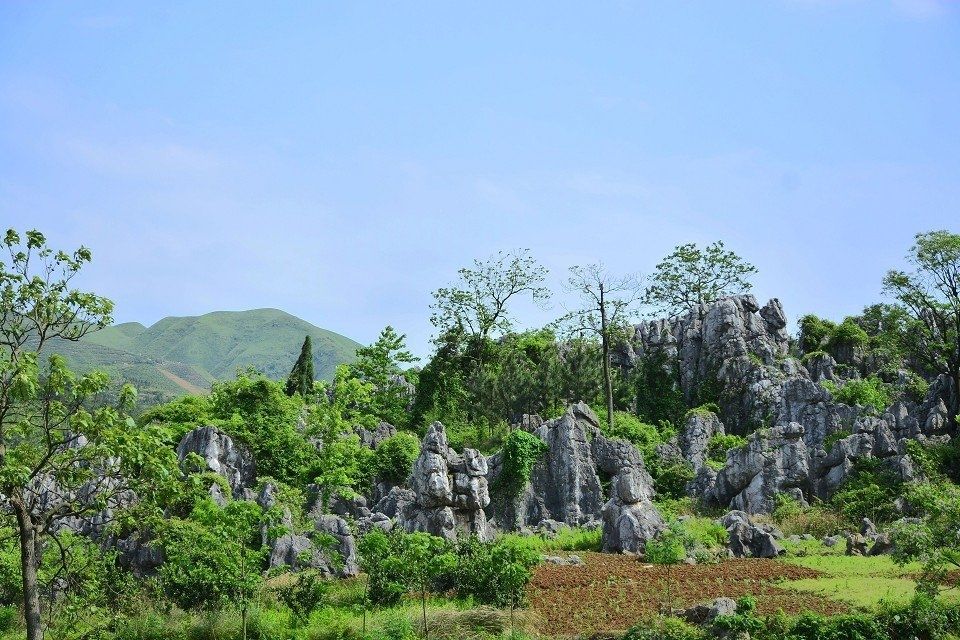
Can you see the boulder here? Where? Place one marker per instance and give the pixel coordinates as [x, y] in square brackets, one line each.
[856, 545]
[699, 428]
[882, 544]
[705, 613]
[747, 539]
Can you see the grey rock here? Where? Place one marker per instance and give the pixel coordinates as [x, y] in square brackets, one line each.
[449, 491]
[856, 545]
[344, 564]
[699, 428]
[882, 544]
[747, 539]
[705, 613]
[831, 541]
[221, 456]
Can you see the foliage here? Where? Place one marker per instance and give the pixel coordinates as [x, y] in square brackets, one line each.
[477, 304]
[306, 593]
[494, 574]
[52, 433]
[691, 276]
[379, 365]
[605, 304]
[394, 457]
[300, 380]
[342, 463]
[869, 392]
[261, 416]
[935, 541]
[668, 547]
[931, 295]
[846, 335]
[212, 558]
[179, 416]
[868, 492]
[659, 397]
[664, 629]
[817, 520]
[720, 444]
[521, 451]
[814, 333]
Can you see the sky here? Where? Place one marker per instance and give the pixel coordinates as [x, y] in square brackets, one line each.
[340, 161]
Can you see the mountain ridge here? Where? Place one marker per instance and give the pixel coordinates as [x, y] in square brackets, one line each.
[186, 354]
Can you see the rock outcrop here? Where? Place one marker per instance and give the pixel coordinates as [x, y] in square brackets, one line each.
[694, 440]
[449, 490]
[221, 456]
[748, 539]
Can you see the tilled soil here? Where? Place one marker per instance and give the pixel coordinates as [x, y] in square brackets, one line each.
[613, 592]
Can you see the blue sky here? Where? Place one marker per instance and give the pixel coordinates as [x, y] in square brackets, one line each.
[340, 161]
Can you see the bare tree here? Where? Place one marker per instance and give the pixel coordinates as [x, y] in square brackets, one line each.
[607, 301]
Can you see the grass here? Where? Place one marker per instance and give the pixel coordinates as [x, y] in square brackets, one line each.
[861, 581]
[566, 539]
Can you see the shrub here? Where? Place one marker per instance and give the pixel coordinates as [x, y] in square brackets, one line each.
[521, 450]
[856, 626]
[847, 334]
[664, 629]
[868, 492]
[795, 519]
[869, 392]
[814, 332]
[394, 457]
[719, 445]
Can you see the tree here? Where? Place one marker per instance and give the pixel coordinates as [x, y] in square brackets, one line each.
[607, 300]
[690, 277]
[380, 365]
[300, 379]
[477, 304]
[931, 294]
[667, 549]
[933, 541]
[59, 460]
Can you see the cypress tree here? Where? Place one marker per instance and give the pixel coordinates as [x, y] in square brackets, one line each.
[300, 379]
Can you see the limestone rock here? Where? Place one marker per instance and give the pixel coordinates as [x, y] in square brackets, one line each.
[221, 456]
[748, 539]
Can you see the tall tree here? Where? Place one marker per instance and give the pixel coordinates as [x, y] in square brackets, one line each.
[300, 379]
[477, 304]
[691, 276]
[380, 365]
[60, 461]
[606, 301]
[931, 294]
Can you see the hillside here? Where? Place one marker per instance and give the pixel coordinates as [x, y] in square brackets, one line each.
[186, 354]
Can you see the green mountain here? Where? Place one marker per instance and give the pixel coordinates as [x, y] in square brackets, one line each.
[185, 355]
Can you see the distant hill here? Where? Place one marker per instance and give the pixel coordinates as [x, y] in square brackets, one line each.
[186, 354]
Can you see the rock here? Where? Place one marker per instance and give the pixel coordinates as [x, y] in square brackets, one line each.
[748, 539]
[344, 564]
[375, 521]
[831, 541]
[395, 501]
[138, 555]
[221, 456]
[694, 440]
[705, 613]
[372, 439]
[773, 461]
[292, 550]
[856, 545]
[882, 543]
[867, 528]
[629, 517]
[449, 491]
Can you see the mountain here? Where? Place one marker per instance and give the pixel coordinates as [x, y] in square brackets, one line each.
[180, 355]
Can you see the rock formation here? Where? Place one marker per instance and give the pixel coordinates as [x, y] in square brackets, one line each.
[221, 456]
[449, 491]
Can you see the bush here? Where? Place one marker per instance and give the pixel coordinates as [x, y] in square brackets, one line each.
[922, 617]
[521, 450]
[795, 519]
[394, 457]
[848, 334]
[856, 626]
[868, 492]
[869, 392]
[814, 333]
[664, 629]
[719, 445]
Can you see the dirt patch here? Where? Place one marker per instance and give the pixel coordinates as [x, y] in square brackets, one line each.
[611, 593]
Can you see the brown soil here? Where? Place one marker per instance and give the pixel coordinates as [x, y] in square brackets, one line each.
[611, 592]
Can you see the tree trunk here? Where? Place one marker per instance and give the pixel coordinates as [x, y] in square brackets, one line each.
[423, 605]
[605, 342]
[29, 559]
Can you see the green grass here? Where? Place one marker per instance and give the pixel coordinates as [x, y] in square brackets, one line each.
[860, 581]
[567, 539]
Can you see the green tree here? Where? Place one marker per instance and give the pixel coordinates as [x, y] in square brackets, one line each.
[934, 541]
[301, 378]
[931, 294]
[59, 459]
[667, 549]
[256, 411]
[606, 302]
[690, 277]
[478, 303]
[394, 457]
[380, 366]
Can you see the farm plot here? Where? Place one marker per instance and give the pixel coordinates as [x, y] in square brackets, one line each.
[610, 593]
